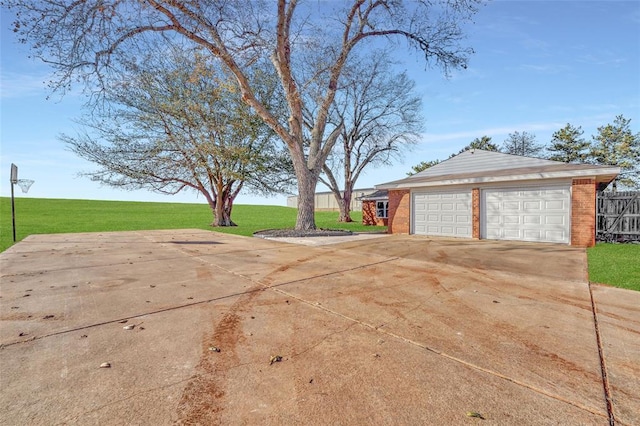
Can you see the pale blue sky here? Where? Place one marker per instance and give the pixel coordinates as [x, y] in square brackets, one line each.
[538, 65]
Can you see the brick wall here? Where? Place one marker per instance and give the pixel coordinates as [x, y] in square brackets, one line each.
[369, 214]
[583, 212]
[399, 211]
[475, 213]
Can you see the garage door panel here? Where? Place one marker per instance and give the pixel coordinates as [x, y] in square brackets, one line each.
[531, 234]
[555, 191]
[510, 205]
[447, 213]
[448, 207]
[446, 219]
[526, 214]
[553, 235]
[509, 220]
[559, 205]
[555, 220]
[532, 220]
[510, 234]
[532, 205]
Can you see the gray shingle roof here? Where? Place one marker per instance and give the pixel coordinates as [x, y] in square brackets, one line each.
[478, 166]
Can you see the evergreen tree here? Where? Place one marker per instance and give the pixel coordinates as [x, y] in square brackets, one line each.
[423, 165]
[616, 145]
[568, 145]
[483, 143]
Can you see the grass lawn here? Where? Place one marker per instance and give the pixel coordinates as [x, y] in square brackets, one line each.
[615, 264]
[51, 216]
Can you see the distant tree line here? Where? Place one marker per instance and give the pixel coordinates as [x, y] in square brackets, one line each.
[614, 144]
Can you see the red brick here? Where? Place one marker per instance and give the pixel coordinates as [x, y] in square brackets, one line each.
[399, 211]
[369, 216]
[475, 213]
[583, 212]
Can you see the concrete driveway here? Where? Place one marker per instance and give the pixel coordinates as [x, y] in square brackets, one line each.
[388, 330]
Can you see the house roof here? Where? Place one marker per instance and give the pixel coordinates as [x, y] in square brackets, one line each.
[478, 166]
[381, 194]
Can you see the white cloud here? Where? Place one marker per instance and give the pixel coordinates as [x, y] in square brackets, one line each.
[15, 85]
[545, 68]
[494, 132]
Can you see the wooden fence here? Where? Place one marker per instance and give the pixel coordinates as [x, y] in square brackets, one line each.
[618, 216]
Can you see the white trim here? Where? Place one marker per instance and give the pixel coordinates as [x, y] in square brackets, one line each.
[385, 209]
[573, 174]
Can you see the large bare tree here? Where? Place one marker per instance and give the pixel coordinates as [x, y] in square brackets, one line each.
[177, 123]
[381, 117]
[522, 144]
[83, 39]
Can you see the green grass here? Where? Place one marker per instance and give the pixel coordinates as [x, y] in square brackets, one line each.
[52, 216]
[615, 264]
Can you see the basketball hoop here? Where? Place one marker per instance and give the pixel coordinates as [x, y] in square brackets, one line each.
[25, 184]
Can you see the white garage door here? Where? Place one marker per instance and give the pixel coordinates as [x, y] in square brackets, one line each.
[527, 214]
[442, 213]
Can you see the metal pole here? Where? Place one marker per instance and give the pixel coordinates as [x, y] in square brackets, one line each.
[13, 213]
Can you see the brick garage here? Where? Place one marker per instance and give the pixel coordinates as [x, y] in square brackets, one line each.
[489, 195]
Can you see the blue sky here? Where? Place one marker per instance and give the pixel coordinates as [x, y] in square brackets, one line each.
[537, 66]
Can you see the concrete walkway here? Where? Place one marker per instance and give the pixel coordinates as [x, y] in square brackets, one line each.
[390, 330]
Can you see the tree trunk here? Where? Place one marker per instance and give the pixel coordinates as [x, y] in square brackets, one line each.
[228, 206]
[218, 213]
[223, 206]
[345, 204]
[306, 200]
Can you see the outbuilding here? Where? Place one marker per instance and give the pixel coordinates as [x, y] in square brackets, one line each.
[490, 195]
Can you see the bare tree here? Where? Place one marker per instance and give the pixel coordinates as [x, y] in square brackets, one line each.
[381, 116]
[176, 122]
[522, 144]
[84, 39]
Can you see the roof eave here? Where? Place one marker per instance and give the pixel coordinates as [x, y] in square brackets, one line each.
[605, 174]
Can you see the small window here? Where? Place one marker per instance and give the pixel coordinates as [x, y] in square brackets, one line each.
[382, 208]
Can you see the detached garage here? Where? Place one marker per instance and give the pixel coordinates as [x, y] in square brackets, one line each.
[490, 195]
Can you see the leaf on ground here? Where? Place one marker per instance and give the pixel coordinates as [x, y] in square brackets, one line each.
[474, 414]
[275, 358]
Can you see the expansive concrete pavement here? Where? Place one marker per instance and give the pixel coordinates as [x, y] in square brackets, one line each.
[390, 330]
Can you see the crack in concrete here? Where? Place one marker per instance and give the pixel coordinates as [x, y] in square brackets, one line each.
[121, 400]
[375, 328]
[446, 355]
[436, 351]
[603, 365]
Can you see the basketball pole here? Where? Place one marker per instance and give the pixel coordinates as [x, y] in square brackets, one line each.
[14, 180]
[13, 213]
